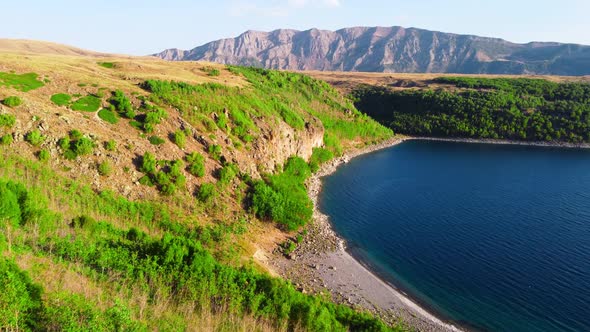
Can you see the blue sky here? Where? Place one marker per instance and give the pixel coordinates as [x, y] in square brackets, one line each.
[147, 26]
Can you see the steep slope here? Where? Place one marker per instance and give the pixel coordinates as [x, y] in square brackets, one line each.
[389, 49]
[135, 193]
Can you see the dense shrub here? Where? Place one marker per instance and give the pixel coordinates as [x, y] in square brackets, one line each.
[196, 164]
[155, 140]
[43, 155]
[215, 152]
[76, 144]
[283, 197]
[7, 120]
[6, 139]
[122, 104]
[227, 173]
[206, 192]
[12, 101]
[34, 137]
[104, 168]
[180, 138]
[520, 109]
[110, 145]
[20, 299]
[318, 157]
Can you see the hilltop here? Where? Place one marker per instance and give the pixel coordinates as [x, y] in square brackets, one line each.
[389, 49]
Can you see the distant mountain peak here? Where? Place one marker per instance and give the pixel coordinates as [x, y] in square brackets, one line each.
[389, 49]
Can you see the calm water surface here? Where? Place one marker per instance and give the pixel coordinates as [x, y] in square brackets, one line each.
[496, 237]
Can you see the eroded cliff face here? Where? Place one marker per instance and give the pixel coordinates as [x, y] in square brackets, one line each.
[277, 143]
[389, 49]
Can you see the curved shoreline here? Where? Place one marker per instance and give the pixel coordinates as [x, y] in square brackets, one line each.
[322, 262]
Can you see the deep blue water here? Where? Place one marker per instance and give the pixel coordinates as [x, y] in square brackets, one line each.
[496, 237]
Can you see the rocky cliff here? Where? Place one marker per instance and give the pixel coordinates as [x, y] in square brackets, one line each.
[390, 49]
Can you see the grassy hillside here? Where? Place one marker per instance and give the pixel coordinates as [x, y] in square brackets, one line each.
[135, 192]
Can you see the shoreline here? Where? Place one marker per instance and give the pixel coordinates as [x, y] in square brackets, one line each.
[322, 261]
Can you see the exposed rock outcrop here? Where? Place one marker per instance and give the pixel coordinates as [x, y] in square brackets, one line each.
[390, 49]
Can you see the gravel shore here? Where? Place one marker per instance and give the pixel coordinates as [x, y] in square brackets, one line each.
[321, 264]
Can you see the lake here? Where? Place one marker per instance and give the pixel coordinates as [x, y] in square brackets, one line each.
[493, 237]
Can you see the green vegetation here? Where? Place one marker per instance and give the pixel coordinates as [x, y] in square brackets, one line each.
[89, 103]
[110, 145]
[212, 71]
[6, 139]
[319, 156]
[12, 101]
[166, 175]
[283, 197]
[179, 138]
[23, 82]
[34, 137]
[104, 168]
[214, 151]
[520, 109]
[155, 140]
[227, 174]
[76, 144]
[122, 104]
[7, 120]
[206, 192]
[43, 155]
[61, 99]
[109, 65]
[196, 164]
[108, 116]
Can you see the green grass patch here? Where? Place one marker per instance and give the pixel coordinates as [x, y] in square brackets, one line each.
[109, 65]
[23, 82]
[7, 120]
[61, 99]
[108, 116]
[87, 104]
[12, 101]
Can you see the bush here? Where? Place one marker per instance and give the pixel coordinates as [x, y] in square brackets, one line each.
[61, 99]
[318, 157]
[110, 145]
[20, 299]
[104, 168]
[75, 144]
[6, 139]
[215, 152]
[122, 104]
[283, 197]
[155, 140]
[108, 116]
[206, 192]
[43, 155]
[148, 163]
[34, 137]
[7, 120]
[12, 101]
[196, 164]
[87, 104]
[227, 173]
[180, 138]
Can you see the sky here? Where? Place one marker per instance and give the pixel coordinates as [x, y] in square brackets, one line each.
[141, 27]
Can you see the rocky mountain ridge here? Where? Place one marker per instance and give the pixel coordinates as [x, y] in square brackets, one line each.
[389, 49]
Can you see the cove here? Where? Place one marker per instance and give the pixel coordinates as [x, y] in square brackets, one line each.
[493, 237]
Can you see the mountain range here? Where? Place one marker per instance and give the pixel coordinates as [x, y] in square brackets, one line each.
[389, 49]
